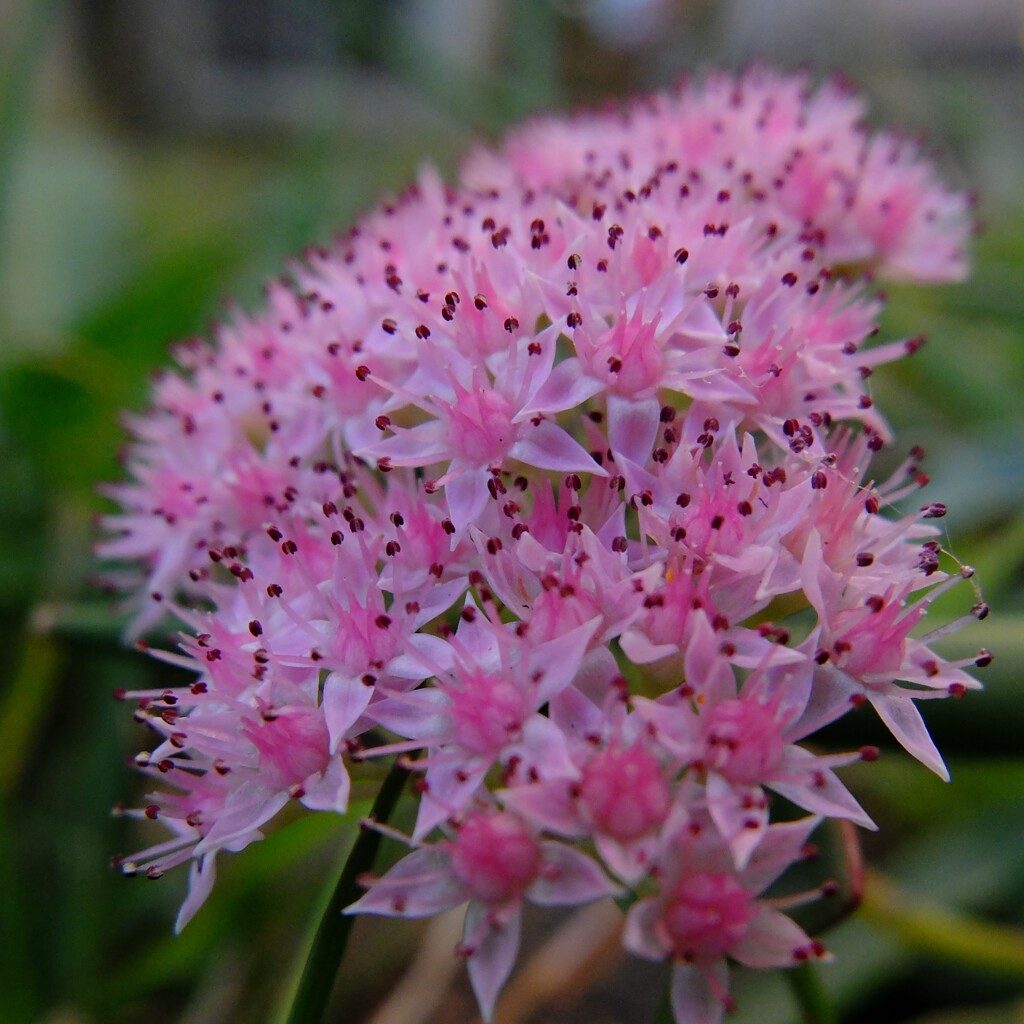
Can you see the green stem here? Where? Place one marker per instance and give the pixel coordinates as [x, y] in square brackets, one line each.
[810, 995]
[328, 948]
[942, 932]
[664, 1014]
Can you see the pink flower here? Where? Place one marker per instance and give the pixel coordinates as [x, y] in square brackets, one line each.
[480, 423]
[620, 790]
[483, 710]
[705, 910]
[494, 861]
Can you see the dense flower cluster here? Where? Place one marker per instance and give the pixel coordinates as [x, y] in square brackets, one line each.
[524, 475]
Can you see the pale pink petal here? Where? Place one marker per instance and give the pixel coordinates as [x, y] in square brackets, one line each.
[704, 662]
[751, 649]
[345, 699]
[415, 446]
[639, 649]
[419, 885]
[905, 723]
[575, 708]
[633, 426]
[697, 992]
[328, 791]
[437, 599]
[559, 660]
[543, 749]
[547, 446]
[466, 494]
[479, 642]
[771, 940]
[629, 861]
[569, 877]
[565, 388]
[740, 814]
[547, 805]
[829, 699]
[493, 956]
[822, 793]
[450, 788]
[201, 877]
[425, 655]
[418, 715]
[781, 847]
[640, 934]
[248, 807]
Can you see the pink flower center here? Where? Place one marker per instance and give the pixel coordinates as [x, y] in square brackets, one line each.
[292, 743]
[480, 427]
[625, 792]
[667, 619]
[554, 614]
[495, 857]
[628, 357]
[359, 640]
[487, 712]
[707, 914]
[873, 643]
[742, 741]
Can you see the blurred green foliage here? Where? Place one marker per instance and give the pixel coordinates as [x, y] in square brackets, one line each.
[112, 247]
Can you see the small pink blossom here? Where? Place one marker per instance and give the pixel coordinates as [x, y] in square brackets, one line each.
[706, 910]
[494, 861]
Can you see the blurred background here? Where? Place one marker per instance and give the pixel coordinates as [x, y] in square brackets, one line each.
[157, 156]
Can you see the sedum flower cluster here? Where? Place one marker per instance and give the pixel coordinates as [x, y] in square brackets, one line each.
[556, 484]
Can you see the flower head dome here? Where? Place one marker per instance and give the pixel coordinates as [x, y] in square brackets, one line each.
[517, 477]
